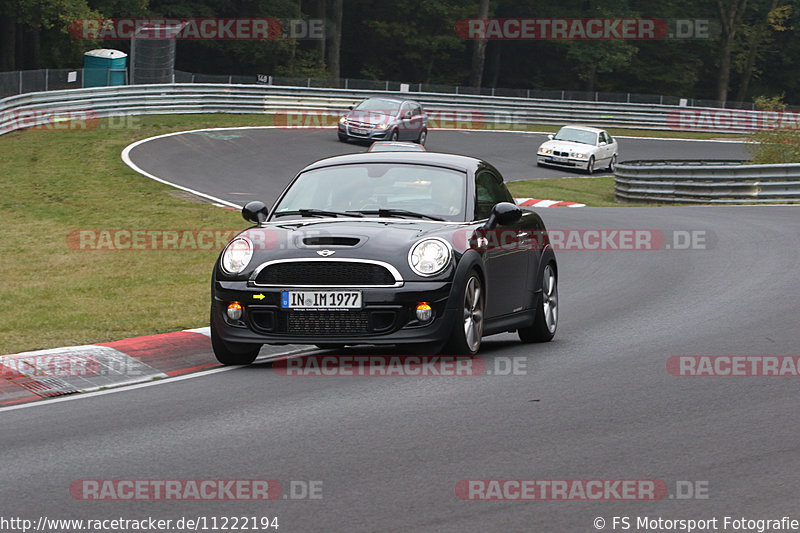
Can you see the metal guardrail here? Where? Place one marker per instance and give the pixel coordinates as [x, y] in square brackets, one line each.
[716, 182]
[469, 111]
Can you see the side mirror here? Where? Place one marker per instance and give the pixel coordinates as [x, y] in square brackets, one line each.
[350, 107]
[255, 212]
[503, 214]
[550, 136]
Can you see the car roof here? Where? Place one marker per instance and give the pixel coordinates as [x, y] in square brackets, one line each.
[456, 162]
[400, 144]
[582, 127]
[392, 98]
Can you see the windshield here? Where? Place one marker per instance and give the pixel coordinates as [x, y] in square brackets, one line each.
[576, 135]
[373, 188]
[380, 105]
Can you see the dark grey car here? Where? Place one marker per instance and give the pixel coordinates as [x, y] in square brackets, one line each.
[385, 118]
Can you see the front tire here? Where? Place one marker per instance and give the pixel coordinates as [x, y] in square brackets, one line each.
[546, 321]
[233, 353]
[590, 166]
[423, 136]
[468, 328]
[394, 136]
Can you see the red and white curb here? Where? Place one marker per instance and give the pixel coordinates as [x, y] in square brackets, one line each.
[29, 376]
[535, 202]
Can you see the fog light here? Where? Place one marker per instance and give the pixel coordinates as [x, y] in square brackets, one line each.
[234, 310]
[424, 311]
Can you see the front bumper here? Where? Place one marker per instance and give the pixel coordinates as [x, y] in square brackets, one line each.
[570, 162]
[347, 131]
[387, 316]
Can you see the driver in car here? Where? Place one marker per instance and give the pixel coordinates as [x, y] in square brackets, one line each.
[445, 192]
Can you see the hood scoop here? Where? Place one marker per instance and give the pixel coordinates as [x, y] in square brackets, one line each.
[329, 240]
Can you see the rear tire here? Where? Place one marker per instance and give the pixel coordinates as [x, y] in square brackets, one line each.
[229, 353]
[546, 321]
[613, 163]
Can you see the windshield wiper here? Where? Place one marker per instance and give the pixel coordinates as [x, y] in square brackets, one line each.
[316, 213]
[396, 213]
[571, 141]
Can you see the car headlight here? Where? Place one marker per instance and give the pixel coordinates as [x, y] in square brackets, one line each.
[237, 255]
[343, 120]
[382, 126]
[545, 151]
[428, 257]
[579, 156]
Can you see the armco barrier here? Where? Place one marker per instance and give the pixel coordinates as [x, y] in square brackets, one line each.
[718, 182]
[22, 111]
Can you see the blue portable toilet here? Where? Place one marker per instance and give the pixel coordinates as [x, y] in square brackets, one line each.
[103, 67]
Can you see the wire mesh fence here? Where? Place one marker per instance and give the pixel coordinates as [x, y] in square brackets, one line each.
[25, 81]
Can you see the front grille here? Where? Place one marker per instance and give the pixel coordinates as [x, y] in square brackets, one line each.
[324, 273]
[327, 323]
[562, 154]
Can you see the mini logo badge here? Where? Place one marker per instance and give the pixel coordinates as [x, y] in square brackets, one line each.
[326, 253]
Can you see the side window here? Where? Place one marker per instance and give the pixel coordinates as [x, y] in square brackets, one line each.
[405, 108]
[489, 190]
[602, 138]
[609, 138]
[416, 110]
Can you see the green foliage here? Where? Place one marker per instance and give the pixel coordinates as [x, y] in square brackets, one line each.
[780, 144]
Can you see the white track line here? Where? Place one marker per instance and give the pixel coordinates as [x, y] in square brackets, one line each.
[123, 388]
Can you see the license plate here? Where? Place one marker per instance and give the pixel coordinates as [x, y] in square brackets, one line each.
[559, 159]
[359, 131]
[321, 299]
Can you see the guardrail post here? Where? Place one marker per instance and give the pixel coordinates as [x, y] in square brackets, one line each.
[456, 89]
[308, 82]
[628, 99]
[562, 94]
[347, 83]
[387, 85]
[20, 82]
[230, 79]
[661, 99]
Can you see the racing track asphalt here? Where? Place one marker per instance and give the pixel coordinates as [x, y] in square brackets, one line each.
[597, 402]
[256, 164]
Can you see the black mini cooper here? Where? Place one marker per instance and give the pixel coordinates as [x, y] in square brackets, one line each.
[418, 249]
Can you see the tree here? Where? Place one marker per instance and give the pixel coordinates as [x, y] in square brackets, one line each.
[730, 17]
[335, 41]
[756, 37]
[479, 50]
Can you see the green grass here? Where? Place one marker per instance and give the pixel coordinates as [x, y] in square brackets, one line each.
[55, 182]
[596, 192]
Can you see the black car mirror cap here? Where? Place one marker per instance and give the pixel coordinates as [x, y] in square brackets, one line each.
[255, 212]
[350, 107]
[503, 214]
